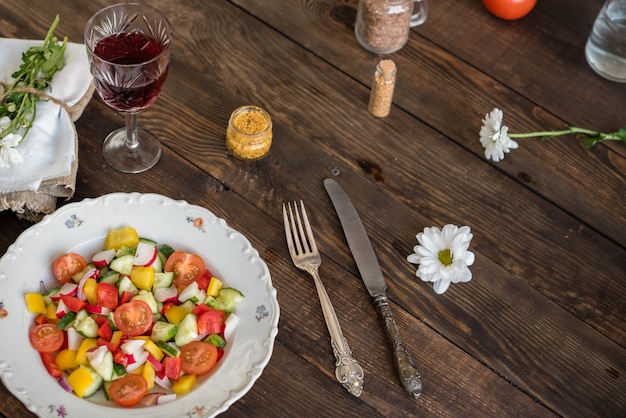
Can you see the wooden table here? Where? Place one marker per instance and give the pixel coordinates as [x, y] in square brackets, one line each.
[538, 331]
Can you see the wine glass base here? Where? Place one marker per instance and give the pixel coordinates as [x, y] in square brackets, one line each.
[131, 160]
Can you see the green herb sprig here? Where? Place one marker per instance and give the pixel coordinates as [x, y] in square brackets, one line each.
[39, 64]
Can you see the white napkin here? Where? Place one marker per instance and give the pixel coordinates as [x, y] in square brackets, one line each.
[49, 147]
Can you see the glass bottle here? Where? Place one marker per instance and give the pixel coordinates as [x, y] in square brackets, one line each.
[383, 26]
[249, 133]
[606, 47]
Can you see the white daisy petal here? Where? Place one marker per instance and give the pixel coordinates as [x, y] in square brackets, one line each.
[450, 268]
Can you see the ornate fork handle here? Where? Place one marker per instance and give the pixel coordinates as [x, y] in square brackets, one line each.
[408, 372]
[348, 371]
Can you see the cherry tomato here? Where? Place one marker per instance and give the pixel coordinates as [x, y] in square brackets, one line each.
[46, 338]
[68, 265]
[186, 267]
[107, 295]
[128, 390]
[198, 357]
[209, 322]
[133, 318]
[509, 9]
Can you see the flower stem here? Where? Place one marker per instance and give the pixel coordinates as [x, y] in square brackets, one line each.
[570, 130]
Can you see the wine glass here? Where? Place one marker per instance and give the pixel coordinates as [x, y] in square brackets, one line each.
[128, 46]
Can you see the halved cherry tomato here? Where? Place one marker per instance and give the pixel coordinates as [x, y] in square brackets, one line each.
[46, 338]
[128, 389]
[509, 9]
[198, 357]
[107, 295]
[209, 322]
[68, 265]
[186, 267]
[133, 318]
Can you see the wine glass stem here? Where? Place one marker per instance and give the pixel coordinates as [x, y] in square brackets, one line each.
[132, 139]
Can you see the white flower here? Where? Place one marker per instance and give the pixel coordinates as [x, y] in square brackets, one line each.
[442, 256]
[494, 137]
[5, 121]
[8, 153]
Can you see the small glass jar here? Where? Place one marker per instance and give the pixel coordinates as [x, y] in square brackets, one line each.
[249, 133]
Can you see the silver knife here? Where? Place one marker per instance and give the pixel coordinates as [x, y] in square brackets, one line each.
[372, 276]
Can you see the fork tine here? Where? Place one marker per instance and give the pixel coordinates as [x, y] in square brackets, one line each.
[309, 232]
[288, 232]
[303, 238]
[297, 236]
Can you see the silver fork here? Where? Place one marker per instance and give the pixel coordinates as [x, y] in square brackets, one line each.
[305, 256]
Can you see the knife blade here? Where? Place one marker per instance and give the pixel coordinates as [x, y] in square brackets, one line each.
[372, 276]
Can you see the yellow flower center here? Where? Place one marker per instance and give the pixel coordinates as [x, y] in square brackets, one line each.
[445, 257]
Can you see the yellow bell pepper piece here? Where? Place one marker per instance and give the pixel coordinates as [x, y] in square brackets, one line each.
[139, 370]
[142, 277]
[152, 348]
[80, 380]
[149, 373]
[184, 384]
[66, 359]
[123, 237]
[175, 314]
[90, 287]
[81, 354]
[214, 287]
[51, 311]
[117, 337]
[35, 303]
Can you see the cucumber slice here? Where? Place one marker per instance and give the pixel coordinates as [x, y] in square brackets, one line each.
[148, 297]
[163, 331]
[66, 320]
[166, 250]
[162, 279]
[168, 348]
[126, 285]
[187, 330]
[123, 264]
[95, 385]
[50, 294]
[147, 241]
[228, 298]
[110, 277]
[87, 327]
[101, 360]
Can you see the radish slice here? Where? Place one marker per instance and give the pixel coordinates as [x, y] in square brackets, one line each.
[133, 347]
[145, 254]
[70, 289]
[158, 366]
[166, 398]
[140, 358]
[61, 309]
[100, 310]
[166, 294]
[229, 326]
[103, 258]
[74, 339]
[80, 294]
[164, 381]
[151, 399]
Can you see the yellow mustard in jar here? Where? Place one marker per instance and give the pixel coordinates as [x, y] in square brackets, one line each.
[249, 133]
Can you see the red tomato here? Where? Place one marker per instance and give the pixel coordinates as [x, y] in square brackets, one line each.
[107, 295]
[186, 267]
[46, 338]
[133, 318]
[209, 322]
[128, 390]
[198, 357]
[509, 9]
[48, 361]
[172, 367]
[68, 265]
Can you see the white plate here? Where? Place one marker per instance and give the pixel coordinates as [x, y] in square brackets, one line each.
[81, 227]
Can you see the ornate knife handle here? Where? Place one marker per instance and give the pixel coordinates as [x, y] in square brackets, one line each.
[348, 371]
[408, 372]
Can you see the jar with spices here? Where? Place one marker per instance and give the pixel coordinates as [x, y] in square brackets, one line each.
[249, 133]
[381, 95]
[383, 26]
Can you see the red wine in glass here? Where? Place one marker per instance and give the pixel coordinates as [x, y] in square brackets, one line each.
[133, 92]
